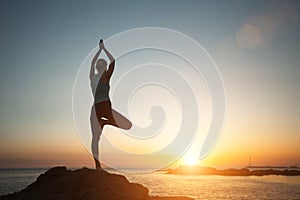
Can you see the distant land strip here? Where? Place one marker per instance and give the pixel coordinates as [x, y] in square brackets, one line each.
[197, 170]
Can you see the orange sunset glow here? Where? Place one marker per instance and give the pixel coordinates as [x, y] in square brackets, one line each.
[255, 49]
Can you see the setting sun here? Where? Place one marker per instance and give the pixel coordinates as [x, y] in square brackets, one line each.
[190, 160]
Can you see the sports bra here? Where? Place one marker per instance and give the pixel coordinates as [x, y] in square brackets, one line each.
[100, 90]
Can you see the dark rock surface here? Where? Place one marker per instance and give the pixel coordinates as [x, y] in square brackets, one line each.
[83, 184]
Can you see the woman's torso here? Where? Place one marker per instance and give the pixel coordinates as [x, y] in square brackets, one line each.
[100, 89]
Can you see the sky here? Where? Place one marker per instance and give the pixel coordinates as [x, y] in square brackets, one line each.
[255, 45]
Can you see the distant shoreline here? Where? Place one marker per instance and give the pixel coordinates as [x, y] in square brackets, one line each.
[186, 169]
[273, 167]
[257, 171]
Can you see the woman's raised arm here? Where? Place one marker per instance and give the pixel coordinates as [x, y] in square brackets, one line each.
[111, 59]
[92, 70]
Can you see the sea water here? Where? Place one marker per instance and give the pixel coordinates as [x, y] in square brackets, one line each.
[14, 180]
[208, 187]
[221, 187]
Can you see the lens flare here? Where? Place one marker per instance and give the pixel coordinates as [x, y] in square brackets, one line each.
[168, 86]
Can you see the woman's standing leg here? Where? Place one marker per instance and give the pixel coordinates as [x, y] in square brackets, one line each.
[96, 133]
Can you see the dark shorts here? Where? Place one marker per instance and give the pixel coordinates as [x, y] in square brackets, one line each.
[107, 116]
[103, 110]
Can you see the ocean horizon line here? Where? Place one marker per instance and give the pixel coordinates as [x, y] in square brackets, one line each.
[147, 168]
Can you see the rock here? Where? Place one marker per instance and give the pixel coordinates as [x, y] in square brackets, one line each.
[83, 184]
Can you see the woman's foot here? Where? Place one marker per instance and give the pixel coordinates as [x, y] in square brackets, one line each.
[98, 165]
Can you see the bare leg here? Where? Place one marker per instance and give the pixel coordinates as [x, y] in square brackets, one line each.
[96, 133]
[108, 116]
[119, 120]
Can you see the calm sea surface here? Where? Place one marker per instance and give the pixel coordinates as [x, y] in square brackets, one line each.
[198, 187]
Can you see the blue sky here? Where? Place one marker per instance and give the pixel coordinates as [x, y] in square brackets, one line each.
[44, 42]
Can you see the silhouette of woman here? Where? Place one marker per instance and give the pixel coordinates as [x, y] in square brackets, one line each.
[102, 113]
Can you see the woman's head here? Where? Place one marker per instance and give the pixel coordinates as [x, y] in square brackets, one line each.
[101, 65]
